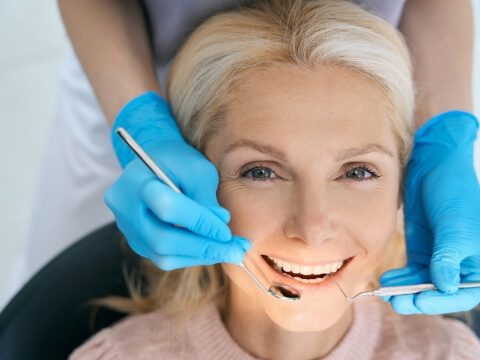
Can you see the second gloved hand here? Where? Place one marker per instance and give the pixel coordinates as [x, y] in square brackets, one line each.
[172, 230]
[442, 217]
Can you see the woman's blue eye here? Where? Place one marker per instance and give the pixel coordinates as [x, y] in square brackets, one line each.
[357, 173]
[361, 173]
[259, 173]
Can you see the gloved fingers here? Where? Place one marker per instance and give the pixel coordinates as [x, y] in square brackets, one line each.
[411, 277]
[221, 212]
[137, 247]
[404, 304]
[445, 268]
[193, 173]
[202, 188]
[177, 209]
[172, 262]
[390, 276]
[397, 273]
[166, 239]
[432, 302]
[124, 190]
[419, 237]
[436, 302]
[414, 275]
[132, 238]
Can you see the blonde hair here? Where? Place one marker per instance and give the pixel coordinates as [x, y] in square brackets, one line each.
[218, 54]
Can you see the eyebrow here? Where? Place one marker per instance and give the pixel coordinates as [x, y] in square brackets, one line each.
[361, 150]
[342, 155]
[265, 149]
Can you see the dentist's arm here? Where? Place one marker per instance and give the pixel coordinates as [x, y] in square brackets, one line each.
[111, 40]
[439, 35]
[441, 191]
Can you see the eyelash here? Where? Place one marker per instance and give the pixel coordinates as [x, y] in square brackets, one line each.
[366, 167]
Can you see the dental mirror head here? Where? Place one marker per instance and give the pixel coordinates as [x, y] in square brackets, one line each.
[284, 292]
[277, 290]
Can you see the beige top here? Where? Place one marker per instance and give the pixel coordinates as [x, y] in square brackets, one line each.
[171, 22]
[377, 332]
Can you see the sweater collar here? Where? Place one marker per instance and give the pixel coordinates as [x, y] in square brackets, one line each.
[210, 339]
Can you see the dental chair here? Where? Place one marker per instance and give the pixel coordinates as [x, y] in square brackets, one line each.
[49, 317]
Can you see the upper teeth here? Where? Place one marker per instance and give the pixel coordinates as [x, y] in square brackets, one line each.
[306, 270]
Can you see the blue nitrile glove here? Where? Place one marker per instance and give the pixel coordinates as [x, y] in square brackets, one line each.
[442, 218]
[147, 210]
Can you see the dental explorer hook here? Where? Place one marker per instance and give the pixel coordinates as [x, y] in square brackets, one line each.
[400, 290]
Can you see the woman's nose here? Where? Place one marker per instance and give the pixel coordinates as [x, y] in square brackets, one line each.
[310, 217]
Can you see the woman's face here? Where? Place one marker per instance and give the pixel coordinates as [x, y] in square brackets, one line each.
[310, 171]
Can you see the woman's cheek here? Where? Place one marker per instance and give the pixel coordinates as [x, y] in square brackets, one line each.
[251, 206]
[377, 230]
[370, 217]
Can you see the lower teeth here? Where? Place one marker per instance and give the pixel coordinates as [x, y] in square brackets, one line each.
[309, 281]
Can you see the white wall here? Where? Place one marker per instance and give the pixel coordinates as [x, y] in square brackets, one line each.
[32, 41]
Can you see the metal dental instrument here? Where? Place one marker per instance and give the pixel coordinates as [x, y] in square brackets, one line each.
[400, 290]
[279, 291]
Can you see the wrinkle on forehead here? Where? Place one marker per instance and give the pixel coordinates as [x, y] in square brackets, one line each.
[329, 105]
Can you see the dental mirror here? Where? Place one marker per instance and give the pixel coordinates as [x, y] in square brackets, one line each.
[280, 291]
[277, 290]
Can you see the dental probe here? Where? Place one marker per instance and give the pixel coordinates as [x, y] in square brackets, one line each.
[400, 290]
[279, 291]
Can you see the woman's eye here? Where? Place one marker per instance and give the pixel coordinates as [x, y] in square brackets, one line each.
[361, 173]
[259, 173]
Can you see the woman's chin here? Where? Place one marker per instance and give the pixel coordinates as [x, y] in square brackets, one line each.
[318, 317]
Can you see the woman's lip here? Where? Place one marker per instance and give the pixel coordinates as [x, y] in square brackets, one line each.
[276, 277]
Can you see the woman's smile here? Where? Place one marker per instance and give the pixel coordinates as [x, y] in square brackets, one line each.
[311, 278]
[304, 273]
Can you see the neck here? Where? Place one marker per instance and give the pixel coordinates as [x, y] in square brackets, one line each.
[255, 332]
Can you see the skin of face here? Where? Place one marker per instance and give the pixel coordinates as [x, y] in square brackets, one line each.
[309, 201]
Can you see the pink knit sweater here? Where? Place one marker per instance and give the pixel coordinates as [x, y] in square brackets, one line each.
[376, 333]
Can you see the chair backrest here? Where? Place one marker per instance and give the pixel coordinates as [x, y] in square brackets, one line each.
[48, 317]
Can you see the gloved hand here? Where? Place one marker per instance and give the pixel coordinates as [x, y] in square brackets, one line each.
[442, 217]
[147, 211]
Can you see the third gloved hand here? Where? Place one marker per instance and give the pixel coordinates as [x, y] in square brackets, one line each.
[148, 211]
[442, 217]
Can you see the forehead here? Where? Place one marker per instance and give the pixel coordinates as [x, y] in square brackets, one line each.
[331, 105]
